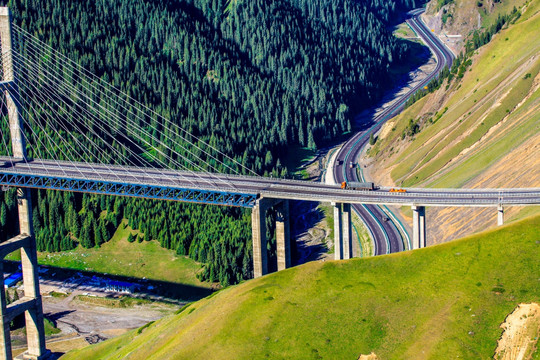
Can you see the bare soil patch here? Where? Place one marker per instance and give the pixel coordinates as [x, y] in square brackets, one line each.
[520, 337]
[371, 356]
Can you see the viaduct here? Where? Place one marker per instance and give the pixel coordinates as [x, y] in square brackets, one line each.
[255, 192]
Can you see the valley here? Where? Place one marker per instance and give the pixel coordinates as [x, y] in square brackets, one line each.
[124, 139]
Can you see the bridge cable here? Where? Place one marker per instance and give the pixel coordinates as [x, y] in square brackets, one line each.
[172, 160]
[26, 120]
[2, 132]
[39, 43]
[87, 152]
[50, 125]
[25, 137]
[50, 97]
[3, 139]
[112, 148]
[21, 117]
[23, 107]
[143, 141]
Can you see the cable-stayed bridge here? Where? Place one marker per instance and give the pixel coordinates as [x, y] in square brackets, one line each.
[64, 128]
[232, 190]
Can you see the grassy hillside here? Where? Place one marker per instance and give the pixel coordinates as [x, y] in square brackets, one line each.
[441, 302]
[119, 257]
[483, 131]
[146, 259]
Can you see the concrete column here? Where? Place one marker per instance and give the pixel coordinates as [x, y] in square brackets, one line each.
[5, 341]
[15, 126]
[419, 226]
[24, 202]
[338, 238]
[35, 331]
[34, 316]
[500, 215]
[283, 236]
[347, 231]
[5, 338]
[258, 230]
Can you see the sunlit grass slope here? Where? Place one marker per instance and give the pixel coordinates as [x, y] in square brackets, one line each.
[493, 112]
[137, 259]
[146, 259]
[441, 302]
[482, 131]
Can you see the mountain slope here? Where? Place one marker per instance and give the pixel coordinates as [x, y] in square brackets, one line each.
[449, 18]
[483, 131]
[253, 79]
[442, 301]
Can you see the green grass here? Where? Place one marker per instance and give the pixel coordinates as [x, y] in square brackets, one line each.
[50, 329]
[525, 212]
[404, 30]
[503, 7]
[517, 93]
[406, 211]
[361, 234]
[120, 257]
[475, 164]
[433, 303]
[328, 211]
[122, 302]
[58, 295]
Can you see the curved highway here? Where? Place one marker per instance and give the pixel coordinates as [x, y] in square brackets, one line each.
[387, 237]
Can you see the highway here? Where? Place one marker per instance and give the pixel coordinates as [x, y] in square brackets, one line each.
[386, 236]
[96, 178]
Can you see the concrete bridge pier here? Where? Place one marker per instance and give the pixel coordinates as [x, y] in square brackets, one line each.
[342, 231]
[500, 215]
[283, 235]
[347, 231]
[35, 331]
[30, 304]
[419, 226]
[338, 238]
[258, 231]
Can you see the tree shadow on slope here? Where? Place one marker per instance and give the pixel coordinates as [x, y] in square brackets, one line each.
[308, 245]
[403, 74]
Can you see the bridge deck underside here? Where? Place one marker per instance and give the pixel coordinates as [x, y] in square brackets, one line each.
[126, 189]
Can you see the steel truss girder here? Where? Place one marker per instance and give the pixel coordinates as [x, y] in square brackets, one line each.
[133, 190]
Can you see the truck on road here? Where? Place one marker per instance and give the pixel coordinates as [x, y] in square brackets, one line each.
[353, 185]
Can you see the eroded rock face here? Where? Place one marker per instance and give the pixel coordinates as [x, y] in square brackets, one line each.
[454, 22]
[520, 336]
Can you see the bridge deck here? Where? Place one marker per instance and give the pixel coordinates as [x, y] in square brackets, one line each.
[222, 189]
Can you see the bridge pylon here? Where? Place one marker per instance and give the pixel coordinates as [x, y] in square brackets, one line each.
[30, 304]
